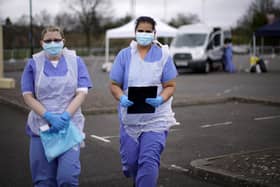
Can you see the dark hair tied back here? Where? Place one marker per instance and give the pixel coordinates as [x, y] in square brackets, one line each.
[145, 19]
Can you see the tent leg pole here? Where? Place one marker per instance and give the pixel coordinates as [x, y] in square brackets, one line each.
[254, 45]
[107, 50]
[262, 44]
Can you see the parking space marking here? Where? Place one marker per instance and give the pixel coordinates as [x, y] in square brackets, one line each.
[179, 168]
[227, 91]
[100, 138]
[110, 137]
[216, 124]
[106, 139]
[224, 92]
[266, 118]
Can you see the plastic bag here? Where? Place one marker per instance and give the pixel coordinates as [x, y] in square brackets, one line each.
[56, 144]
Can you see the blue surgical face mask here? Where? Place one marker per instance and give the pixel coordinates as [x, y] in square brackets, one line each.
[144, 38]
[53, 48]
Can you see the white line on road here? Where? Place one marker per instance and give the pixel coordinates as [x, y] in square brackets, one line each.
[179, 168]
[110, 137]
[216, 124]
[100, 138]
[105, 138]
[235, 88]
[227, 91]
[224, 92]
[266, 117]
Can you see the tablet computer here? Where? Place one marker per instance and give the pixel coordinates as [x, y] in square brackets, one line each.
[138, 96]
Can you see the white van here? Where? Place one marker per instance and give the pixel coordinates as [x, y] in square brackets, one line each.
[198, 47]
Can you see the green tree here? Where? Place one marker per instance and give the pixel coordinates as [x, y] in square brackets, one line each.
[183, 19]
[255, 17]
[110, 23]
[69, 22]
[90, 13]
[43, 18]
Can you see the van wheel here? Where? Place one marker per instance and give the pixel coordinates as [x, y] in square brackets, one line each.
[205, 68]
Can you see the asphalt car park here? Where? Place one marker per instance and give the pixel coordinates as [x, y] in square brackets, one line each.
[204, 131]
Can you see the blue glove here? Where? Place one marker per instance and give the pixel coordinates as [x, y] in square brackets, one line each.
[48, 116]
[55, 121]
[155, 102]
[125, 102]
[66, 116]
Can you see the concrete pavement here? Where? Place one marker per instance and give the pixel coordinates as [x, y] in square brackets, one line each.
[259, 168]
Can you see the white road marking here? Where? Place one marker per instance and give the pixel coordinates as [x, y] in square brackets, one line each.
[100, 138]
[216, 124]
[179, 168]
[218, 94]
[224, 92]
[105, 138]
[227, 91]
[110, 137]
[266, 117]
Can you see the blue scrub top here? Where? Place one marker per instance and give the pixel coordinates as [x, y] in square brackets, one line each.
[119, 71]
[28, 75]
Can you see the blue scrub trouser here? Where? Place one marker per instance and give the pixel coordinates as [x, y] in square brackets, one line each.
[63, 171]
[229, 66]
[228, 63]
[141, 160]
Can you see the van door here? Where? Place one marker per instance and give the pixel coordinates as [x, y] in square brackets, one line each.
[215, 47]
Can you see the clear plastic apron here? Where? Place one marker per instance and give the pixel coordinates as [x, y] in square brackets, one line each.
[143, 73]
[56, 92]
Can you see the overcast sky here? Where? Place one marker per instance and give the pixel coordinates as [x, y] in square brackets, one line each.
[213, 12]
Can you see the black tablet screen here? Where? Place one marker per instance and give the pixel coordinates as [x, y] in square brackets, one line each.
[138, 96]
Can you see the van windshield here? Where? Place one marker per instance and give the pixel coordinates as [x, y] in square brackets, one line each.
[189, 40]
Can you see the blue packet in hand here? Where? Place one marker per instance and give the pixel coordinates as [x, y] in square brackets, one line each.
[58, 143]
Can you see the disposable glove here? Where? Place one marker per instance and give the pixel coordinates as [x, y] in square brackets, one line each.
[48, 116]
[155, 102]
[66, 116]
[125, 102]
[55, 121]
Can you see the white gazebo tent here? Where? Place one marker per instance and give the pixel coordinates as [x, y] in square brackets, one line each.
[127, 31]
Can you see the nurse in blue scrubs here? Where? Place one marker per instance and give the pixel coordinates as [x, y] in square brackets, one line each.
[145, 62]
[54, 83]
[227, 57]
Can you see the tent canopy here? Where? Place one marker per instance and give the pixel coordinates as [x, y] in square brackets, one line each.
[272, 30]
[127, 31]
[269, 30]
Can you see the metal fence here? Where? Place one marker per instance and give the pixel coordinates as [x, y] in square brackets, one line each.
[15, 54]
[268, 50]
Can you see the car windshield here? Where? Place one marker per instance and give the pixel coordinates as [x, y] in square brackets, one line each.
[189, 40]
